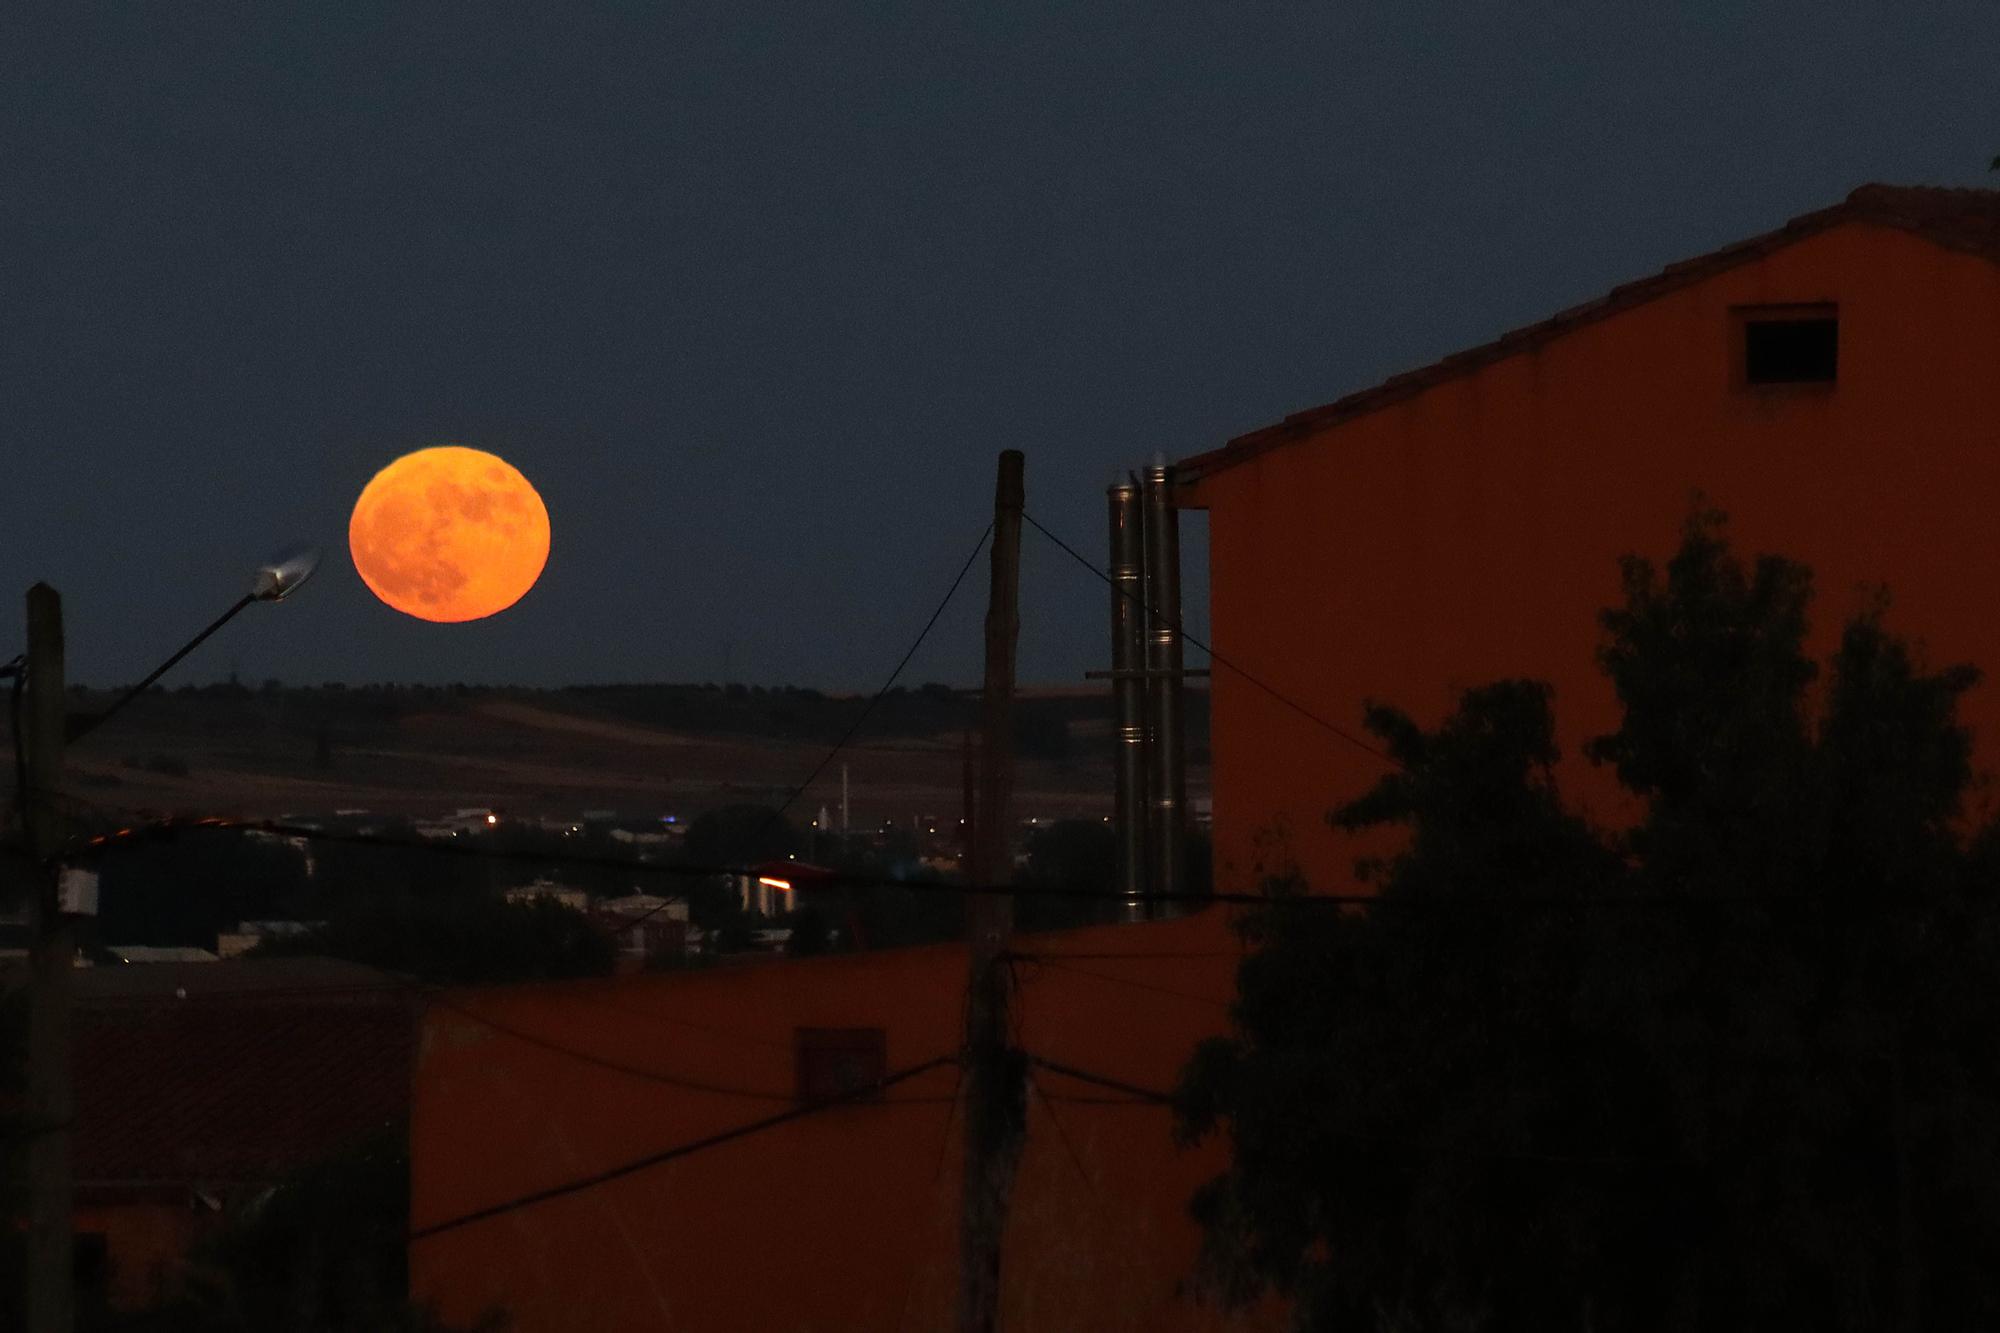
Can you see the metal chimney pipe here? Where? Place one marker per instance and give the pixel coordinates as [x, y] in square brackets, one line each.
[1168, 825]
[1128, 695]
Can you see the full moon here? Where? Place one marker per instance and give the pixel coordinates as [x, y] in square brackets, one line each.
[449, 534]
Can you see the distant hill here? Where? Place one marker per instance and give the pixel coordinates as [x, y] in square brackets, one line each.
[683, 748]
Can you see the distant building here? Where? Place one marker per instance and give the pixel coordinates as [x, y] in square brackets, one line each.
[157, 953]
[459, 823]
[633, 904]
[767, 889]
[566, 894]
[303, 846]
[249, 934]
[643, 928]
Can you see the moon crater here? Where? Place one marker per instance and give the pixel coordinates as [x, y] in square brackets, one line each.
[449, 534]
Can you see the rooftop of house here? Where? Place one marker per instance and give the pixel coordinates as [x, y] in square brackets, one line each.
[241, 978]
[251, 1069]
[1967, 221]
[524, 1087]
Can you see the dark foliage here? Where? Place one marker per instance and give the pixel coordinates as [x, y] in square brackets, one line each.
[1066, 854]
[810, 932]
[325, 1251]
[1083, 854]
[737, 835]
[13, 1154]
[460, 938]
[1737, 1068]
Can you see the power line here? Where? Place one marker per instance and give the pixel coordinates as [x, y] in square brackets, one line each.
[861, 717]
[854, 727]
[728, 1035]
[1243, 672]
[1146, 1095]
[615, 1066]
[937, 1173]
[1048, 961]
[689, 1149]
[634, 1071]
[1102, 1080]
[1062, 1131]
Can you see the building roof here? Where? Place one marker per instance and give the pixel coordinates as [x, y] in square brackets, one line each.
[1966, 221]
[240, 978]
[843, 1218]
[159, 953]
[217, 1075]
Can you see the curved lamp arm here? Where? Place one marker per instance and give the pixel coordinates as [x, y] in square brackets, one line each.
[273, 583]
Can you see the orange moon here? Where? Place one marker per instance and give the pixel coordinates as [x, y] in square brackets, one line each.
[449, 534]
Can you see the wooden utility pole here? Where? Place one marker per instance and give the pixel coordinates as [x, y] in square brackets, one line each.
[968, 822]
[50, 1295]
[995, 1074]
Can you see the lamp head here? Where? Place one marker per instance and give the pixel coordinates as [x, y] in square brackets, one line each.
[277, 579]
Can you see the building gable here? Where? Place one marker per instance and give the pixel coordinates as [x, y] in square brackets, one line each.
[1962, 221]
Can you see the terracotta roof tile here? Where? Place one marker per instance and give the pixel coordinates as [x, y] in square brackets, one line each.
[1967, 221]
[224, 1087]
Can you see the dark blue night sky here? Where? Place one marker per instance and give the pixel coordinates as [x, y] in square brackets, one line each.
[754, 295]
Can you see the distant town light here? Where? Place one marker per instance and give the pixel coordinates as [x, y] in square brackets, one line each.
[492, 819]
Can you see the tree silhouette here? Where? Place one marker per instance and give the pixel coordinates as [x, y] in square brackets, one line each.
[1735, 1067]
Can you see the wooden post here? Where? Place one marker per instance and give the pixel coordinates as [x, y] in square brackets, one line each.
[968, 822]
[50, 1267]
[995, 1078]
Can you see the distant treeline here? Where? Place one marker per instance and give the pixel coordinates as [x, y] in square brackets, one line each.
[1047, 726]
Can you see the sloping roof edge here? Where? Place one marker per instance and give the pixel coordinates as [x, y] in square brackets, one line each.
[1967, 221]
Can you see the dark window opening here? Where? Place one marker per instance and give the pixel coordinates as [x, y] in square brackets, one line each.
[90, 1261]
[839, 1062]
[1791, 350]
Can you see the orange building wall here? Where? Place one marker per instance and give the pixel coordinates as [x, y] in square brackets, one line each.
[146, 1245]
[1472, 532]
[842, 1220]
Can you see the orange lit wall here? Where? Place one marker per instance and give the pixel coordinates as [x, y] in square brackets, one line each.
[1471, 530]
[843, 1220]
[146, 1246]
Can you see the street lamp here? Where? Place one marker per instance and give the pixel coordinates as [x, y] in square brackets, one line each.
[274, 581]
[52, 959]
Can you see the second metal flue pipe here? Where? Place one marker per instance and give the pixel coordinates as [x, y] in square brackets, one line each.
[1146, 674]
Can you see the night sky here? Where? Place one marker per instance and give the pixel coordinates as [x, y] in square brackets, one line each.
[754, 296]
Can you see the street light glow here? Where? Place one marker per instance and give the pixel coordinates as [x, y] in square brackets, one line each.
[282, 576]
